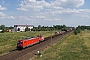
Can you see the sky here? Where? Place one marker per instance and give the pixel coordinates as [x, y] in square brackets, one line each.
[44, 12]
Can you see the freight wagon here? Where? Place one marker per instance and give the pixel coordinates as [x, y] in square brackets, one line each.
[29, 41]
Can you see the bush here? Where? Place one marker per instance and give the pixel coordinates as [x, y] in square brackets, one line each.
[75, 32]
[78, 30]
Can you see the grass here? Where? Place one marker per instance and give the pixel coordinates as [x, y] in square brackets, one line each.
[8, 41]
[72, 47]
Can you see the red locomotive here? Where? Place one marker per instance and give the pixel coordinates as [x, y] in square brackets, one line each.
[29, 41]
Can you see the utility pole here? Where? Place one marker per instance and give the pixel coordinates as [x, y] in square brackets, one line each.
[51, 37]
[29, 33]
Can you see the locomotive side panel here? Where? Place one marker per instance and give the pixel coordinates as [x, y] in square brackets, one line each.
[29, 41]
[32, 41]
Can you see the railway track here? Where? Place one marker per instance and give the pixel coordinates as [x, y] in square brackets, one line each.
[31, 51]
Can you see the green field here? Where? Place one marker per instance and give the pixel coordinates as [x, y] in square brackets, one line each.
[72, 47]
[8, 41]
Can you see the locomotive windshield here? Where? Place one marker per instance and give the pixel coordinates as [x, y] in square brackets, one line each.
[20, 42]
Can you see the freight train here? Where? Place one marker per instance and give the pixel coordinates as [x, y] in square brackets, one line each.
[33, 40]
[29, 42]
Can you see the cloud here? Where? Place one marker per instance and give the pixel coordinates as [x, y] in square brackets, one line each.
[37, 5]
[28, 5]
[3, 2]
[3, 8]
[54, 11]
[11, 17]
[3, 16]
[25, 17]
[54, 19]
[71, 3]
[41, 17]
[69, 11]
[85, 16]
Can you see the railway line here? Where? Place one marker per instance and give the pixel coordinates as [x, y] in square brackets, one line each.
[29, 52]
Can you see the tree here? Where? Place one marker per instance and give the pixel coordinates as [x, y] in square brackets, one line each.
[39, 27]
[10, 27]
[64, 26]
[18, 29]
[3, 28]
[27, 29]
[75, 32]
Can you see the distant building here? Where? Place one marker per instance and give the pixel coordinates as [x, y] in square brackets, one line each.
[10, 30]
[0, 30]
[21, 28]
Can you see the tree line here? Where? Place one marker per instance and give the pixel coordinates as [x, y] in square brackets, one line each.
[79, 28]
[83, 27]
[4, 28]
[47, 28]
[38, 28]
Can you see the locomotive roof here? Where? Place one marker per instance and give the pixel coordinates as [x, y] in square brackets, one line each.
[29, 38]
